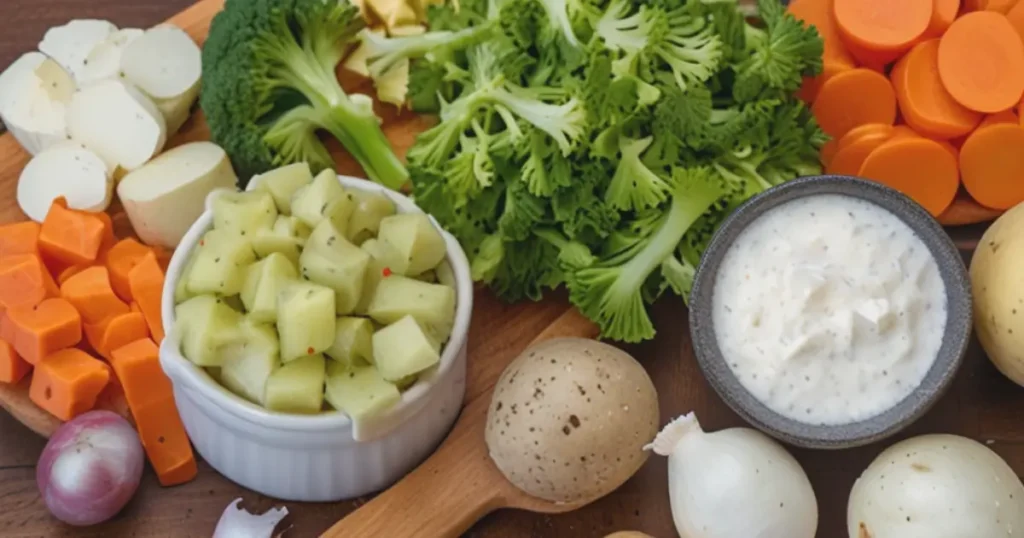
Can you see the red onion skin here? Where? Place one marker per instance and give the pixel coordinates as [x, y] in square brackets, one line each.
[90, 468]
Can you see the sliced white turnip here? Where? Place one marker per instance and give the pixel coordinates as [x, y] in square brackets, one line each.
[118, 122]
[34, 95]
[166, 196]
[177, 110]
[104, 60]
[71, 43]
[69, 170]
[163, 62]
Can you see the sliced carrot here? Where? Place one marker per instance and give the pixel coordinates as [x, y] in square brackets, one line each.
[71, 237]
[828, 151]
[25, 281]
[1006, 116]
[919, 168]
[70, 271]
[902, 131]
[12, 367]
[865, 130]
[67, 383]
[884, 28]
[115, 332]
[146, 281]
[992, 165]
[37, 331]
[923, 100]
[137, 365]
[944, 12]
[974, 5]
[1016, 17]
[1001, 6]
[953, 150]
[966, 211]
[850, 157]
[981, 62]
[19, 238]
[835, 58]
[852, 98]
[120, 260]
[89, 291]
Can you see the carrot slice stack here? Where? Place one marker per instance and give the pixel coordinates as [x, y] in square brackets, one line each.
[853, 98]
[924, 102]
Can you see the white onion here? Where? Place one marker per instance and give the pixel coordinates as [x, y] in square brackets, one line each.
[237, 522]
[937, 486]
[735, 483]
[90, 468]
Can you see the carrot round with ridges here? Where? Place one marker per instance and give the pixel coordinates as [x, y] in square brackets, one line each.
[992, 165]
[854, 98]
[981, 62]
[923, 100]
[919, 168]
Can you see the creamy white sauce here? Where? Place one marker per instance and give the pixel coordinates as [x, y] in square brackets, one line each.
[829, 309]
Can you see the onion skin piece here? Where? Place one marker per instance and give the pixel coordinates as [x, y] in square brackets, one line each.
[90, 468]
[238, 522]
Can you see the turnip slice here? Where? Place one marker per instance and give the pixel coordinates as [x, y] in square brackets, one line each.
[118, 122]
[177, 110]
[71, 43]
[163, 62]
[90, 468]
[34, 95]
[68, 170]
[104, 60]
[166, 196]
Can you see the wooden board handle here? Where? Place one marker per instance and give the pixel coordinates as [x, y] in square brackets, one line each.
[457, 485]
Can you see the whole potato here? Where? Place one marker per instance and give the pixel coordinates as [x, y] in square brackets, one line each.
[997, 283]
[569, 419]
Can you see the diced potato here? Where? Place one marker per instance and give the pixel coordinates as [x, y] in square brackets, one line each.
[429, 277]
[249, 363]
[286, 237]
[416, 239]
[235, 302]
[445, 275]
[329, 259]
[310, 203]
[244, 213]
[359, 392]
[353, 341]
[339, 211]
[366, 216]
[403, 349]
[221, 260]
[407, 381]
[432, 305]
[206, 326]
[297, 386]
[382, 257]
[305, 319]
[293, 227]
[282, 183]
[181, 291]
[264, 280]
[214, 372]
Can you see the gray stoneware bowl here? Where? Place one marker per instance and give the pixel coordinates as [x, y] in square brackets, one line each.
[954, 343]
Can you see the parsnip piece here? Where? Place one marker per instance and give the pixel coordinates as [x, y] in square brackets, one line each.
[34, 95]
[118, 122]
[163, 62]
[71, 43]
[104, 60]
[66, 169]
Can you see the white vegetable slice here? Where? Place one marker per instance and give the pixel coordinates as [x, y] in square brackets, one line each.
[177, 110]
[164, 62]
[34, 94]
[237, 522]
[104, 60]
[68, 170]
[71, 43]
[164, 197]
[118, 122]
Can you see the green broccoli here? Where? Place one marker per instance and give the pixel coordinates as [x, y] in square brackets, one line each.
[269, 88]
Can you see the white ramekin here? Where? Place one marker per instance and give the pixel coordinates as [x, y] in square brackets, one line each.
[323, 457]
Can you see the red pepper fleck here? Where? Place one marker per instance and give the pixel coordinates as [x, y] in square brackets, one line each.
[202, 242]
[386, 272]
[310, 350]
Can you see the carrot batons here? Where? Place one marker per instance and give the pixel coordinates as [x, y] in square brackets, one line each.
[151, 400]
[944, 12]
[25, 281]
[919, 168]
[925, 103]
[120, 260]
[12, 367]
[115, 332]
[854, 98]
[38, 331]
[67, 383]
[146, 281]
[879, 31]
[19, 238]
[981, 62]
[992, 164]
[90, 293]
[71, 237]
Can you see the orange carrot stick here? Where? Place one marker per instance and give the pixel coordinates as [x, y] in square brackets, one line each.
[850, 157]
[919, 168]
[120, 260]
[1006, 116]
[966, 211]
[90, 293]
[147, 284]
[67, 383]
[944, 12]
[37, 331]
[992, 165]
[71, 237]
[25, 281]
[12, 367]
[853, 98]
[883, 27]
[981, 62]
[19, 238]
[924, 102]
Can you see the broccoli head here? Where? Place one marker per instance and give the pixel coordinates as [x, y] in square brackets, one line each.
[270, 89]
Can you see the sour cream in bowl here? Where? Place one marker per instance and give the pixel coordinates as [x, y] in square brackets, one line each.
[830, 311]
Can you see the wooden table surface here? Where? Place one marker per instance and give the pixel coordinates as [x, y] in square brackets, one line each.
[981, 404]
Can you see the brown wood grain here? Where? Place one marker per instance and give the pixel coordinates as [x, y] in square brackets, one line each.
[981, 404]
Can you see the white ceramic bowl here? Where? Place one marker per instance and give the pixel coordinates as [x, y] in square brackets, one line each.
[326, 457]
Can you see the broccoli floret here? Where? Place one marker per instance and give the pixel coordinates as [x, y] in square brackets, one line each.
[610, 292]
[635, 187]
[683, 41]
[269, 86]
[779, 56]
